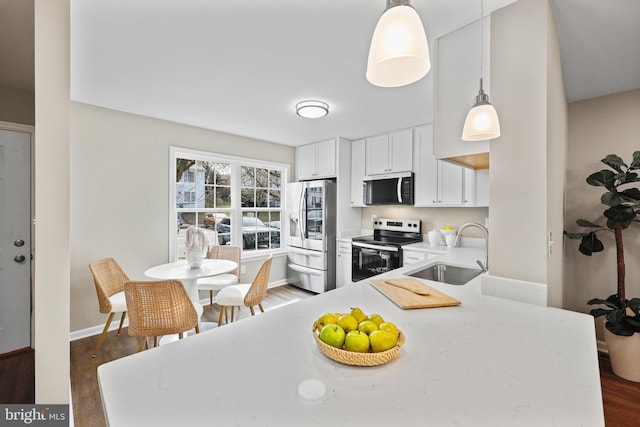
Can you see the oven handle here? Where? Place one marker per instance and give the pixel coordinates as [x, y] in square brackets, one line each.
[305, 270]
[376, 247]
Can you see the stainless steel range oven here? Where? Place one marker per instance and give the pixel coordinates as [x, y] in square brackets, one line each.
[382, 251]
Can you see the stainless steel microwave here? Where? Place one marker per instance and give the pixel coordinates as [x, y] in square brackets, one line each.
[389, 189]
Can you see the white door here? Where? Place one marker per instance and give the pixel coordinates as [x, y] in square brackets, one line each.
[15, 240]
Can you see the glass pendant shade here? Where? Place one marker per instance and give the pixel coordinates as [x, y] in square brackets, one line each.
[399, 52]
[482, 121]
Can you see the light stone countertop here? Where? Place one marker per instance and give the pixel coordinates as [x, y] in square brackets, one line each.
[488, 362]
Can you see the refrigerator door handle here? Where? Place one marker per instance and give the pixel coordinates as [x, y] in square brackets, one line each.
[305, 252]
[300, 212]
[305, 270]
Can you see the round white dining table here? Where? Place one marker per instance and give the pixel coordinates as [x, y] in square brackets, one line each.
[179, 270]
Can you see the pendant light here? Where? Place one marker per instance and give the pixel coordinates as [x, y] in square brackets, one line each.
[482, 120]
[399, 52]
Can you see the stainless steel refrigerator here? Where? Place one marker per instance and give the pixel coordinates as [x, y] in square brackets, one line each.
[311, 240]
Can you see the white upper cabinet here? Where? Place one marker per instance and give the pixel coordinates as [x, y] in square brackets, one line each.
[456, 84]
[437, 182]
[316, 161]
[389, 153]
[357, 172]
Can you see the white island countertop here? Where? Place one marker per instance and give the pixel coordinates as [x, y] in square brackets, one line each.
[488, 362]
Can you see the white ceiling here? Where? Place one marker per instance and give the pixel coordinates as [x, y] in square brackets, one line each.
[240, 66]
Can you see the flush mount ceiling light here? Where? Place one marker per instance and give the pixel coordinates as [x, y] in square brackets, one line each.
[399, 52]
[482, 121]
[312, 109]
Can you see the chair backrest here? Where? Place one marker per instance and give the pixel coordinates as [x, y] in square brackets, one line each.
[109, 279]
[232, 253]
[258, 288]
[159, 308]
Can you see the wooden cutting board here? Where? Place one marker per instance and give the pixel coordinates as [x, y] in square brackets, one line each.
[407, 300]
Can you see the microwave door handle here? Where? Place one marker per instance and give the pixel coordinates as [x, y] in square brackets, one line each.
[399, 190]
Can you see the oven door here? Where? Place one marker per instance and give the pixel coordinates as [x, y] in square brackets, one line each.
[370, 260]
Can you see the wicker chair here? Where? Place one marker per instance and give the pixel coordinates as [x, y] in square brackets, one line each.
[158, 308]
[220, 281]
[248, 295]
[109, 280]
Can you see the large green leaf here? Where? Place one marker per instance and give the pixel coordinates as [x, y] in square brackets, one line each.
[585, 223]
[614, 161]
[620, 213]
[634, 322]
[610, 198]
[590, 243]
[635, 164]
[620, 328]
[604, 178]
[597, 312]
[628, 177]
[631, 196]
[575, 235]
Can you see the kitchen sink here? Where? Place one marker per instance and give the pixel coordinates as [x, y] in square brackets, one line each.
[446, 273]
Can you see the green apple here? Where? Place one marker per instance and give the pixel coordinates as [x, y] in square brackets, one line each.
[357, 341]
[390, 327]
[326, 319]
[333, 335]
[382, 341]
[367, 326]
[358, 314]
[376, 318]
[347, 322]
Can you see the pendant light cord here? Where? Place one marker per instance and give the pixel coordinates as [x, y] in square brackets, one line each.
[481, 40]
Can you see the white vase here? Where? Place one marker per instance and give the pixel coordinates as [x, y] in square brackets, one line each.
[194, 257]
[624, 353]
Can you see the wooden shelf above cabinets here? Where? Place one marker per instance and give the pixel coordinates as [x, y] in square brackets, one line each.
[476, 161]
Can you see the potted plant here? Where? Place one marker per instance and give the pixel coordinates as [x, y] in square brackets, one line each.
[622, 201]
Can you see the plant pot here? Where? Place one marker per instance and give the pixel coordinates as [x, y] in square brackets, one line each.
[624, 353]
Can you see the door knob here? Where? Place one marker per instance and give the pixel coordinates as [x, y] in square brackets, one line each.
[19, 258]
[18, 243]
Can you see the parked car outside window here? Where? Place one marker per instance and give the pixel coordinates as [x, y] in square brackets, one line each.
[253, 231]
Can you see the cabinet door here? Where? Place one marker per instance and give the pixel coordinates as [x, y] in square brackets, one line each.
[306, 162]
[377, 155]
[326, 159]
[425, 167]
[451, 186]
[343, 264]
[469, 176]
[401, 151]
[357, 172]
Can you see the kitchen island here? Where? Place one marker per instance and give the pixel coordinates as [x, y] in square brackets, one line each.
[488, 362]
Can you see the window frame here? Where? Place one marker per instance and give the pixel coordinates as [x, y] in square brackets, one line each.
[236, 209]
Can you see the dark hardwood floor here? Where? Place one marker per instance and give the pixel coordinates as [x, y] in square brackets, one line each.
[621, 398]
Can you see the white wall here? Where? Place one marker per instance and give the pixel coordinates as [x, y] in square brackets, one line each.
[51, 243]
[597, 127]
[527, 160]
[120, 194]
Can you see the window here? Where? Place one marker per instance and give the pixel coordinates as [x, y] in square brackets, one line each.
[216, 192]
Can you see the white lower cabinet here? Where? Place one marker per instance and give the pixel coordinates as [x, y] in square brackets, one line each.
[343, 264]
[437, 182]
[411, 257]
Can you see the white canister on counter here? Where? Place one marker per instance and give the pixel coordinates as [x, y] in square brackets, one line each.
[435, 237]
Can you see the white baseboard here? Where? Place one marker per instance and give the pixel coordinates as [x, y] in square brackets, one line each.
[97, 330]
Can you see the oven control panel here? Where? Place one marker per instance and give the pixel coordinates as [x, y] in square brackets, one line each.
[404, 225]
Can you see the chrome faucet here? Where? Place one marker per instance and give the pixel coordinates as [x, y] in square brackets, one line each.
[484, 267]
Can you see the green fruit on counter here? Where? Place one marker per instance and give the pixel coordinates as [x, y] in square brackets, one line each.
[333, 335]
[382, 341]
[367, 326]
[326, 319]
[389, 327]
[347, 322]
[357, 341]
[376, 318]
[358, 314]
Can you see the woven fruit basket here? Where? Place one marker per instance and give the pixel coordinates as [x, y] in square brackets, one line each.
[358, 359]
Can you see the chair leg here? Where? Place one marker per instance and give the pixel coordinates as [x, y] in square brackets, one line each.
[232, 310]
[124, 313]
[253, 313]
[180, 335]
[103, 335]
[197, 329]
[211, 297]
[261, 309]
[143, 344]
[155, 341]
[222, 309]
